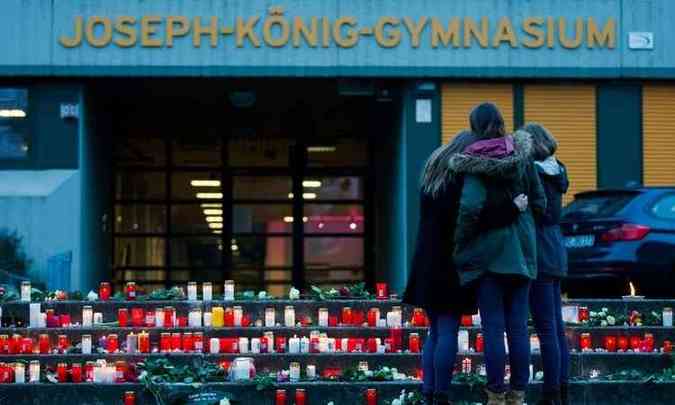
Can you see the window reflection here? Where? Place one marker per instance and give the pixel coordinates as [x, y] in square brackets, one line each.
[196, 252]
[139, 252]
[140, 218]
[256, 218]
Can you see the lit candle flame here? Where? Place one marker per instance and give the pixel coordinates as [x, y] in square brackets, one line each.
[632, 289]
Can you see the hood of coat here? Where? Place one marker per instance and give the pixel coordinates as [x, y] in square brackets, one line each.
[553, 172]
[509, 166]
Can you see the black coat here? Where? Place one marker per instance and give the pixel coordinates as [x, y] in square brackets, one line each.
[551, 251]
[433, 283]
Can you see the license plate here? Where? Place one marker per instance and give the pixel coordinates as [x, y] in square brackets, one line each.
[579, 241]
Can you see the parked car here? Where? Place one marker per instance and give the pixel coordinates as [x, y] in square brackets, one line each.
[618, 236]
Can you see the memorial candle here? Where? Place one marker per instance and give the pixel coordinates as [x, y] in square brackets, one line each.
[238, 314]
[289, 316]
[104, 291]
[667, 317]
[62, 343]
[373, 317]
[144, 342]
[228, 290]
[132, 343]
[89, 371]
[61, 372]
[52, 319]
[25, 291]
[159, 317]
[323, 317]
[648, 342]
[418, 318]
[130, 398]
[346, 316]
[137, 317]
[14, 344]
[176, 342]
[396, 336]
[635, 342]
[169, 317]
[214, 345]
[195, 318]
[300, 396]
[414, 343]
[217, 317]
[27, 345]
[207, 291]
[480, 343]
[19, 373]
[4, 344]
[188, 342]
[294, 371]
[270, 317]
[123, 317]
[280, 344]
[120, 369]
[584, 314]
[371, 345]
[112, 344]
[165, 342]
[86, 344]
[243, 345]
[208, 319]
[228, 317]
[76, 372]
[192, 291]
[87, 316]
[622, 343]
[610, 343]
[131, 291]
[34, 371]
[43, 344]
[585, 341]
[381, 291]
[34, 314]
[293, 345]
[198, 339]
[280, 397]
[311, 371]
[371, 396]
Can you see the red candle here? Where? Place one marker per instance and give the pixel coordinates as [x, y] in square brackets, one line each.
[144, 342]
[280, 398]
[188, 342]
[176, 341]
[584, 315]
[228, 317]
[610, 343]
[635, 342]
[648, 342]
[4, 344]
[346, 316]
[165, 342]
[89, 371]
[43, 343]
[52, 320]
[26, 345]
[198, 339]
[111, 343]
[120, 370]
[585, 341]
[61, 372]
[418, 317]
[314, 344]
[396, 335]
[245, 320]
[137, 317]
[182, 321]
[467, 320]
[104, 291]
[280, 344]
[76, 372]
[667, 346]
[129, 398]
[332, 321]
[358, 318]
[371, 396]
[64, 320]
[123, 317]
[480, 343]
[300, 396]
[14, 344]
[622, 342]
[62, 343]
[388, 345]
[372, 345]
[373, 317]
[414, 343]
[131, 291]
[381, 291]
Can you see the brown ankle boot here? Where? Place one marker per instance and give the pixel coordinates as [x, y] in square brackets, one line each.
[495, 398]
[515, 398]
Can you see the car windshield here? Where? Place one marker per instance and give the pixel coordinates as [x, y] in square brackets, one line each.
[597, 205]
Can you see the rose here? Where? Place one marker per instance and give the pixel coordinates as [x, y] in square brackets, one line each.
[611, 320]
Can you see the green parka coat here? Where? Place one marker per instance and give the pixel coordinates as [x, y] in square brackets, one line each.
[509, 250]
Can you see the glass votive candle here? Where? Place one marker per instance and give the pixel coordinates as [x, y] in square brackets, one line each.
[635, 342]
[648, 342]
[610, 343]
[217, 317]
[87, 316]
[132, 343]
[188, 342]
[584, 314]
[64, 320]
[280, 397]
[131, 291]
[34, 371]
[176, 342]
[159, 317]
[414, 343]
[371, 396]
[480, 343]
[123, 317]
[381, 291]
[238, 314]
[144, 342]
[289, 316]
[192, 291]
[165, 342]
[198, 341]
[214, 345]
[137, 317]
[25, 291]
[43, 344]
[207, 291]
[228, 290]
[112, 345]
[418, 318]
[294, 371]
[667, 317]
[270, 317]
[62, 343]
[622, 343]
[667, 346]
[208, 319]
[104, 291]
[120, 369]
[86, 344]
[61, 372]
[76, 372]
[346, 316]
[169, 317]
[585, 341]
[228, 317]
[300, 396]
[19, 373]
[129, 398]
[323, 317]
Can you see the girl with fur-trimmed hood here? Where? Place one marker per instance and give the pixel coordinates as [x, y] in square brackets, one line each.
[501, 261]
[433, 283]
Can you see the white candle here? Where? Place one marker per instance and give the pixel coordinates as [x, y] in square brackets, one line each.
[323, 345]
[311, 371]
[304, 345]
[132, 343]
[98, 318]
[19, 373]
[195, 318]
[270, 317]
[87, 316]
[25, 291]
[463, 341]
[294, 345]
[475, 319]
[34, 371]
[289, 316]
[243, 345]
[214, 346]
[255, 345]
[344, 344]
[207, 291]
[667, 317]
[207, 319]
[323, 317]
[192, 291]
[241, 369]
[43, 320]
[159, 317]
[34, 317]
[294, 372]
[238, 313]
[270, 341]
[228, 290]
[86, 344]
[535, 346]
[381, 323]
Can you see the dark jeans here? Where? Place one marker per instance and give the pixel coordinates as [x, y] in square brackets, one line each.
[545, 303]
[504, 308]
[439, 352]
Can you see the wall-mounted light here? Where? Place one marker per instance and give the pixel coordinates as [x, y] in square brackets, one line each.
[321, 149]
[216, 225]
[311, 184]
[211, 205]
[13, 113]
[205, 183]
[213, 212]
[209, 196]
[214, 219]
[288, 219]
[306, 196]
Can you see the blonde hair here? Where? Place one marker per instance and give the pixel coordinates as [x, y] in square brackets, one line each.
[544, 143]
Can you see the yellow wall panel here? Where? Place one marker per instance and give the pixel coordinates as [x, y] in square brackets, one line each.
[658, 134]
[569, 112]
[457, 100]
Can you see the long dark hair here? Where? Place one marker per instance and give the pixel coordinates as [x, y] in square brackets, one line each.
[436, 174]
[487, 121]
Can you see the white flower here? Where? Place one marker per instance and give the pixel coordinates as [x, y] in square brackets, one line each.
[611, 320]
[593, 314]
[605, 310]
[262, 295]
[92, 296]
[539, 375]
[410, 395]
[224, 401]
[603, 323]
[396, 402]
[330, 403]
[293, 294]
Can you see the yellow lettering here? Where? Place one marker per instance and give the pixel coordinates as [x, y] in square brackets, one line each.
[606, 37]
[176, 26]
[438, 33]
[125, 26]
[352, 37]
[471, 30]
[105, 39]
[148, 29]
[578, 33]
[388, 39]
[532, 26]
[77, 39]
[415, 30]
[301, 30]
[550, 29]
[325, 32]
[504, 34]
[198, 30]
[245, 30]
[268, 36]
